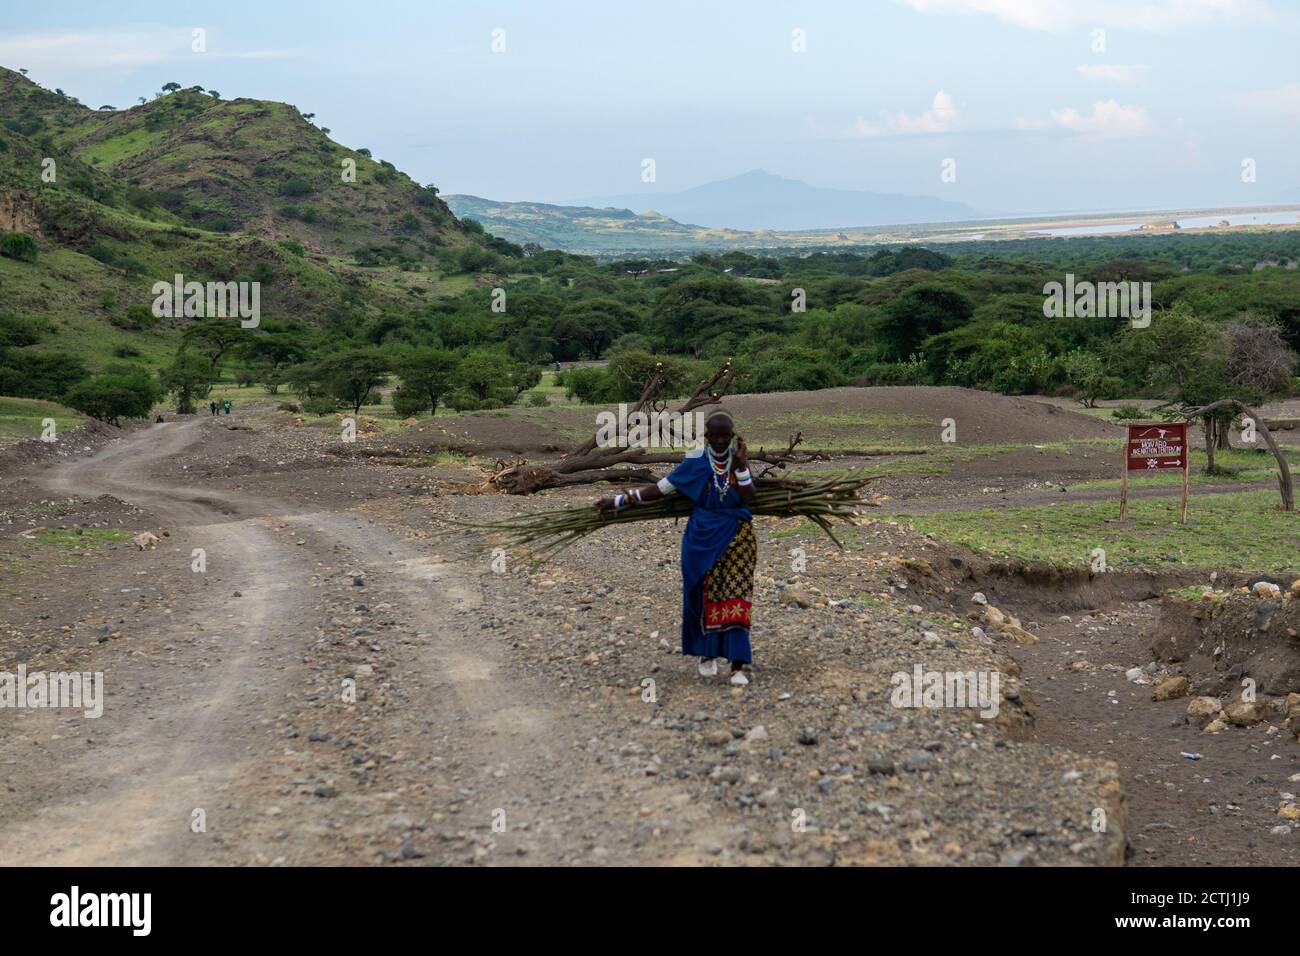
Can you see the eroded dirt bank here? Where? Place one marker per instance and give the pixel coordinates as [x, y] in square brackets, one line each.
[1107, 642]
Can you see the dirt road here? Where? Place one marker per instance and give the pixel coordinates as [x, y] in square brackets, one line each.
[197, 758]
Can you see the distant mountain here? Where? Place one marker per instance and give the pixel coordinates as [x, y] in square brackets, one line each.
[758, 200]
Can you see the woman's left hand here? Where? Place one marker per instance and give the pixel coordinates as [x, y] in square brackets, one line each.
[742, 455]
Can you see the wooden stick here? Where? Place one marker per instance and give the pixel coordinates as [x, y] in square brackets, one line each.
[1123, 480]
[1187, 464]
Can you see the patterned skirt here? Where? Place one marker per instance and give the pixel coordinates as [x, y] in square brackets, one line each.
[729, 585]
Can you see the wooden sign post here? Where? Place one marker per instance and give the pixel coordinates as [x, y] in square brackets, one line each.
[1154, 447]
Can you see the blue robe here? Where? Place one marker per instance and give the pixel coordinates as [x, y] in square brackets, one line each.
[709, 530]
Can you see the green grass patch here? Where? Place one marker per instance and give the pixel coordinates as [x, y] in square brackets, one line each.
[1239, 464]
[78, 539]
[114, 149]
[803, 527]
[1242, 531]
[1198, 592]
[24, 418]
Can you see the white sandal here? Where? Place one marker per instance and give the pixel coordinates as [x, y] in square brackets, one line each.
[709, 667]
[739, 679]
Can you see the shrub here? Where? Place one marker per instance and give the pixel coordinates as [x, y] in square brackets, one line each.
[894, 373]
[114, 396]
[136, 318]
[16, 332]
[590, 386]
[40, 375]
[320, 406]
[463, 400]
[408, 403]
[1128, 413]
[18, 245]
[536, 400]
[101, 251]
[476, 259]
[295, 186]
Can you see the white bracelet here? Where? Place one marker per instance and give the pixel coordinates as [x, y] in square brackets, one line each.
[743, 478]
[636, 493]
[619, 501]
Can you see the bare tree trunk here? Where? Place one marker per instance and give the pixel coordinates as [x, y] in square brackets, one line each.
[1207, 425]
[1284, 470]
[1223, 433]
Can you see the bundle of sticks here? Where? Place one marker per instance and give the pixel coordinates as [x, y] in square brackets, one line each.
[826, 501]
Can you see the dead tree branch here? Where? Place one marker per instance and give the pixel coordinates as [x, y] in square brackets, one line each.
[1205, 412]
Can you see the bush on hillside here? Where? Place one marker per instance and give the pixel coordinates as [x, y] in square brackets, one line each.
[46, 375]
[18, 245]
[114, 396]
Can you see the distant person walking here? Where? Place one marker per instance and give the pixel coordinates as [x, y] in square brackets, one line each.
[213, 406]
[226, 406]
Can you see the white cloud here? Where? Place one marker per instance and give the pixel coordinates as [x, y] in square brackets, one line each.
[939, 118]
[114, 48]
[1108, 118]
[1114, 73]
[1284, 100]
[1054, 15]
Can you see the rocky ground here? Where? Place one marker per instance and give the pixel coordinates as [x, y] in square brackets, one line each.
[353, 679]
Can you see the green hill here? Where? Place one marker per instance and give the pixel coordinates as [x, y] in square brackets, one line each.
[584, 229]
[217, 190]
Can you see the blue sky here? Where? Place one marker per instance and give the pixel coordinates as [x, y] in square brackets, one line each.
[884, 91]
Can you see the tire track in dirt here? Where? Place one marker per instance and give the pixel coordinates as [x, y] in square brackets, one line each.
[515, 746]
[181, 714]
[189, 711]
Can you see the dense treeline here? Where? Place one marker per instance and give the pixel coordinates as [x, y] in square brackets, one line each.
[971, 314]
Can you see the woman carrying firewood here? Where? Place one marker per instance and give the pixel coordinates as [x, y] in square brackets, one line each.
[719, 550]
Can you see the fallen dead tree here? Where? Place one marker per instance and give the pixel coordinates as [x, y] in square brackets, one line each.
[590, 463]
[1206, 414]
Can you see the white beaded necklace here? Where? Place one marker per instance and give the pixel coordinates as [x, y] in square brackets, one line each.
[721, 472]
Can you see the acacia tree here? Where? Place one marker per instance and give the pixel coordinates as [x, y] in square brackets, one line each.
[1086, 371]
[270, 351]
[214, 337]
[1184, 360]
[189, 377]
[430, 373]
[352, 375]
[1211, 371]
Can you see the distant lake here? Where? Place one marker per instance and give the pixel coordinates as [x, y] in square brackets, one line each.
[1274, 218]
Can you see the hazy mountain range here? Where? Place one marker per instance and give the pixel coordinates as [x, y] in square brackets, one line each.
[759, 200]
[755, 209]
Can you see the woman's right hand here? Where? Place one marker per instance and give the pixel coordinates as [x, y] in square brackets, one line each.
[605, 504]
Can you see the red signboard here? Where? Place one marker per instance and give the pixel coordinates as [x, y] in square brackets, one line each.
[1157, 447]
